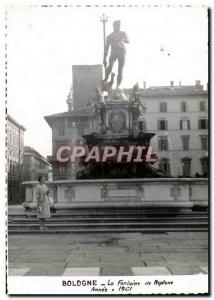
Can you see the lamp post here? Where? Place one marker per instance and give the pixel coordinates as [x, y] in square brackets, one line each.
[104, 20]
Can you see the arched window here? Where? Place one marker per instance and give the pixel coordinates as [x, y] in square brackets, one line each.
[186, 165]
[205, 165]
[164, 165]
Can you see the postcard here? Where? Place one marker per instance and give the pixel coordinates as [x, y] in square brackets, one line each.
[107, 149]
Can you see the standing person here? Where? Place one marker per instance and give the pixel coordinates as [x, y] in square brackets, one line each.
[43, 206]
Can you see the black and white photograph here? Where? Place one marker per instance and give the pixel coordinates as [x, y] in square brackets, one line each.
[107, 149]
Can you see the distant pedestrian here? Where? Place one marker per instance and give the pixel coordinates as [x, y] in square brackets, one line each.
[43, 206]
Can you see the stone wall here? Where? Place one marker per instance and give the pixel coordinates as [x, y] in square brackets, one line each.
[161, 192]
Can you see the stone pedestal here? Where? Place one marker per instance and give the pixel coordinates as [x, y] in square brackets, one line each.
[161, 192]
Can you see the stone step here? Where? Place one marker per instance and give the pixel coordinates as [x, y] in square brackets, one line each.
[114, 213]
[113, 225]
[106, 230]
[106, 219]
[123, 219]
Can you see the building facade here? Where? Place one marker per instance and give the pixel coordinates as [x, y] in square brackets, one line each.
[179, 117]
[67, 130]
[35, 165]
[177, 114]
[15, 150]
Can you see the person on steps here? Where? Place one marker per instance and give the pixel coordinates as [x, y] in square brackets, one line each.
[43, 205]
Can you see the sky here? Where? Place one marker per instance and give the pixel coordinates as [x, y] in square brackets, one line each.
[44, 42]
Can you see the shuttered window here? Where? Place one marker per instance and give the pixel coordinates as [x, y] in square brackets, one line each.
[202, 106]
[183, 106]
[162, 125]
[185, 142]
[186, 164]
[163, 143]
[204, 142]
[203, 124]
[163, 107]
[184, 124]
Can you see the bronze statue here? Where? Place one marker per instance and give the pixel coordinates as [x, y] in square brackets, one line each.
[118, 52]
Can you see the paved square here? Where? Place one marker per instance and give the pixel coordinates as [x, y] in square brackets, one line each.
[109, 254]
[146, 271]
[18, 271]
[81, 272]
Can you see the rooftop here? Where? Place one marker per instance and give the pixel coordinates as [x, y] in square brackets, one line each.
[172, 90]
[30, 150]
[81, 112]
[153, 91]
[14, 122]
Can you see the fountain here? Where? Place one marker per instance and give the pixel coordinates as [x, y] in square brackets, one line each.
[115, 120]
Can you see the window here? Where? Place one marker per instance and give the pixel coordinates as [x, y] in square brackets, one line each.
[202, 105]
[185, 141]
[203, 124]
[162, 125]
[163, 143]
[62, 170]
[10, 166]
[184, 124]
[61, 128]
[183, 106]
[186, 164]
[204, 165]
[164, 165]
[22, 142]
[142, 125]
[163, 107]
[204, 142]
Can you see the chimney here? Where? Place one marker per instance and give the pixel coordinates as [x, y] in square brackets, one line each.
[144, 85]
[198, 85]
[171, 83]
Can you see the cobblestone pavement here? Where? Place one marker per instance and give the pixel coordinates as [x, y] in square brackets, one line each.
[114, 254]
